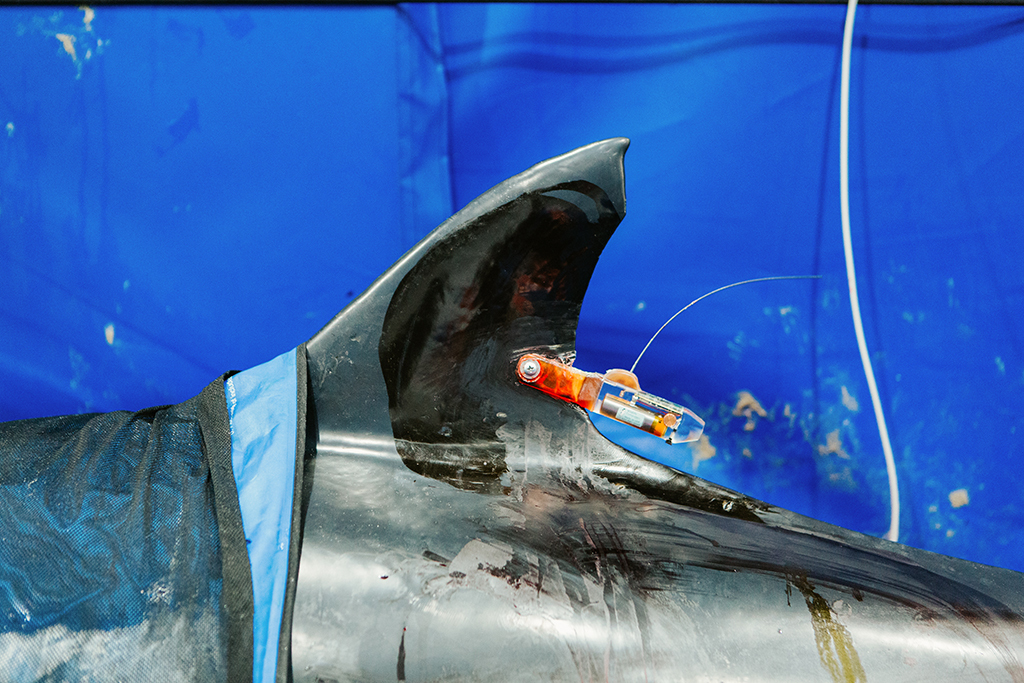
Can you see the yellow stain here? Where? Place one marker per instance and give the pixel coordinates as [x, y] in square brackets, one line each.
[68, 41]
[836, 651]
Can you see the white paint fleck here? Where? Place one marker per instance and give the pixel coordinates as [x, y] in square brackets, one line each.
[10, 129]
[108, 332]
[641, 305]
[959, 498]
[833, 444]
[126, 285]
[1000, 365]
[849, 401]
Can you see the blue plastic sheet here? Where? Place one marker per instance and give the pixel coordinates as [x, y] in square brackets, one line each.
[325, 142]
[262, 407]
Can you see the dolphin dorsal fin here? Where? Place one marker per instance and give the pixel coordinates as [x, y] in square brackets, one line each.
[420, 354]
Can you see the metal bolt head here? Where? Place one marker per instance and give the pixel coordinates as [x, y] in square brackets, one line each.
[529, 369]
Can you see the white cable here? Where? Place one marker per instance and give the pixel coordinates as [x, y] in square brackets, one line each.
[851, 276]
[716, 291]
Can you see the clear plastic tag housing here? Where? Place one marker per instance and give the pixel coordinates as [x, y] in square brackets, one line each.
[615, 394]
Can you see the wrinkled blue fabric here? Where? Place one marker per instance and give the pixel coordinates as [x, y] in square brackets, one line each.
[262, 404]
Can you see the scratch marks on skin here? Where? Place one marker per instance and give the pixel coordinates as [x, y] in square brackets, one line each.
[835, 644]
[597, 554]
[583, 605]
[401, 657]
[598, 597]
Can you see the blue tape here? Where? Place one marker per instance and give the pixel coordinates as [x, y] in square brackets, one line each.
[262, 405]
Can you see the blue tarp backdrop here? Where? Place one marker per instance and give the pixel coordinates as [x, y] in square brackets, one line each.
[187, 191]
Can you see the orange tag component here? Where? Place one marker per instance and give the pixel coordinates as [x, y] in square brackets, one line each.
[615, 394]
[560, 380]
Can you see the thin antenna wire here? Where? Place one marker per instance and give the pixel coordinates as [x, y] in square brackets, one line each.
[851, 276]
[716, 291]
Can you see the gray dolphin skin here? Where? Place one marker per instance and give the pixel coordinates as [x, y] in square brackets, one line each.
[461, 526]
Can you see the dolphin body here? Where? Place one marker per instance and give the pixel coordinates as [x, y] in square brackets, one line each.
[449, 523]
[460, 526]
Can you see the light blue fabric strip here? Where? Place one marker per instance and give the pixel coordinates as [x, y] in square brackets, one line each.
[262, 405]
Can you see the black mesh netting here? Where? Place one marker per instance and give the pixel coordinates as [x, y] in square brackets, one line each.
[112, 562]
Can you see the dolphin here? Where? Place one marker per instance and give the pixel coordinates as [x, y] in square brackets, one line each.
[459, 525]
[447, 521]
